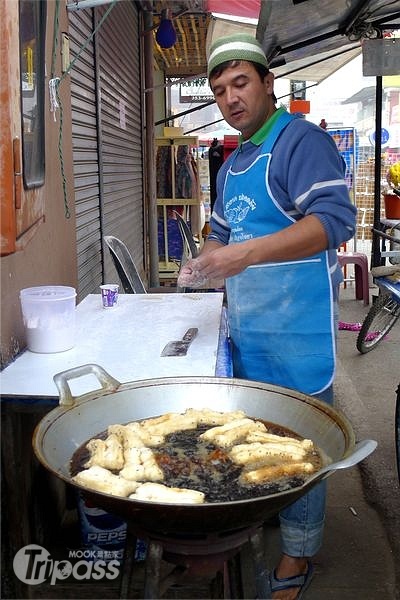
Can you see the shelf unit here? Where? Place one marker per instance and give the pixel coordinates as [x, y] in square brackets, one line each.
[177, 187]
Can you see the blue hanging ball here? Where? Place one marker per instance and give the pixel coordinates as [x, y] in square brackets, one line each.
[166, 34]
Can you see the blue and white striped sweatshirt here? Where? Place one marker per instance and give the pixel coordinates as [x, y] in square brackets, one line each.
[306, 176]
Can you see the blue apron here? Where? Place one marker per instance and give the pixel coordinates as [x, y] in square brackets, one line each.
[280, 314]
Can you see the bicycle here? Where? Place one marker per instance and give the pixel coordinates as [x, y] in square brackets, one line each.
[385, 311]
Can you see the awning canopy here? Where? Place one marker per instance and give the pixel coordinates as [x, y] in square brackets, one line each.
[304, 39]
[249, 9]
[311, 39]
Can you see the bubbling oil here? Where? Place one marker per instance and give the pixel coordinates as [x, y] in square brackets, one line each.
[187, 461]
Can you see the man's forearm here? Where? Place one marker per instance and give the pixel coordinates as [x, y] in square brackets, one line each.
[210, 245]
[302, 239]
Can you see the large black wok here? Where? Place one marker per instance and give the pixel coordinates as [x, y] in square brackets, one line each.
[78, 419]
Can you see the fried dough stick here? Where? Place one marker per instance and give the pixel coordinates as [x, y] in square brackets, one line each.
[102, 480]
[274, 472]
[227, 435]
[135, 436]
[161, 493]
[140, 465]
[205, 416]
[256, 454]
[106, 453]
[263, 437]
[166, 424]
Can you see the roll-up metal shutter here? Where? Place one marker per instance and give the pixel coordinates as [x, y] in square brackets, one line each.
[107, 139]
[85, 154]
[121, 130]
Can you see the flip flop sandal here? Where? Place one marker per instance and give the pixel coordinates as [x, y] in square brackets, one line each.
[300, 581]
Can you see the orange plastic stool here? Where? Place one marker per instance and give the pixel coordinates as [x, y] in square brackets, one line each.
[361, 270]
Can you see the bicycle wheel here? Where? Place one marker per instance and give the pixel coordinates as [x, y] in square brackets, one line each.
[380, 319]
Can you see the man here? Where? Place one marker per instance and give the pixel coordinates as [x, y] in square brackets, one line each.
[282, 210]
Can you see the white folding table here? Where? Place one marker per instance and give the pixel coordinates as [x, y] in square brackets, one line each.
[127, 341]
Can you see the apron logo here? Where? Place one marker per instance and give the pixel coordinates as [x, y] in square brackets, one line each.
[236, 208]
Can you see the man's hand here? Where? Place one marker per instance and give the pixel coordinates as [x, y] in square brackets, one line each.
[189, 276]
[219, 263]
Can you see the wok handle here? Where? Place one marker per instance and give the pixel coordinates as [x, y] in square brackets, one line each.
[361, 451]
[107, 383]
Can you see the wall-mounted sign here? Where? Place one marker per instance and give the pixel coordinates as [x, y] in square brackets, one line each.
[195, 91]
[298, 89]
[381, 56]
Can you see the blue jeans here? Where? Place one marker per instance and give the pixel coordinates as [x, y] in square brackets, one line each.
[302, 523]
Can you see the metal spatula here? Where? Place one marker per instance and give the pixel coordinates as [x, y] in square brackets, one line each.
[180, 347]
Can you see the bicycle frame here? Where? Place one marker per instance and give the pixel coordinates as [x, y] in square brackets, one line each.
[386, 285]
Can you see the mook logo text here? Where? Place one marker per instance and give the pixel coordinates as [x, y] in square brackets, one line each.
[34, 565]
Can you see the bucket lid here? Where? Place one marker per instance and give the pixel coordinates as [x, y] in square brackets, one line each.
[48, 292]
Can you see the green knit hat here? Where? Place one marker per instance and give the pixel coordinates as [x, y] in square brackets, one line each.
[239, 46]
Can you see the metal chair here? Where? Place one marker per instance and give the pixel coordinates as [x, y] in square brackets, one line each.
[127, 271]
[125, 266]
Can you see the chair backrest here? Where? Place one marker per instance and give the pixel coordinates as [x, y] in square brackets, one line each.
[190, 249]
[126, 268]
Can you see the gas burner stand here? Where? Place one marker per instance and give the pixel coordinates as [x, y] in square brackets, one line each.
[214, 557]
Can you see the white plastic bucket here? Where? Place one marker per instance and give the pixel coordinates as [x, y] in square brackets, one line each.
[49, 317]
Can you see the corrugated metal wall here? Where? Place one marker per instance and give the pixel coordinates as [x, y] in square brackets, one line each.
[85, 155]
[107, 139]
[121, 129]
